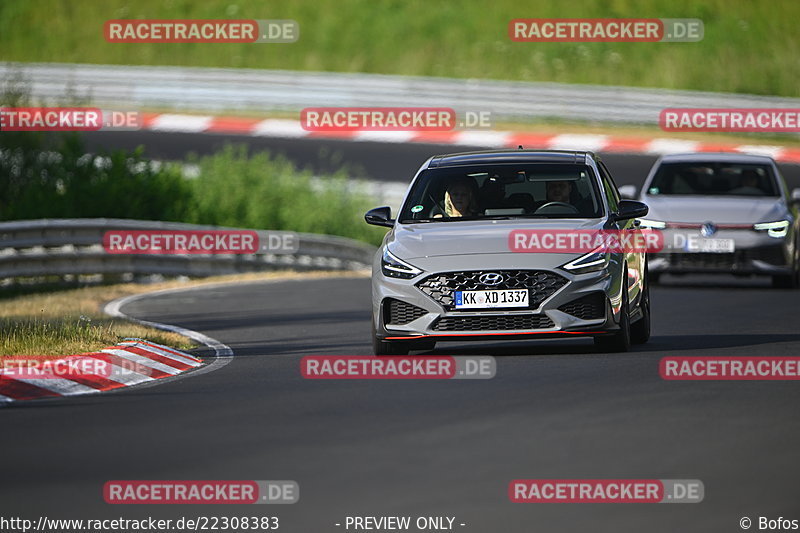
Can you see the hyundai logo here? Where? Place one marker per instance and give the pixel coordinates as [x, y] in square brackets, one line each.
[491, 278]
[708, 229]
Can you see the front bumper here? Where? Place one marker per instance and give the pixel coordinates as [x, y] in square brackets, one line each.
[754, 253]
[584, 305]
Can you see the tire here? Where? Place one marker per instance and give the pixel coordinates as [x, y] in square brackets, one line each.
[789, 281]
[640, 330]
[382, 347]
[621, 340]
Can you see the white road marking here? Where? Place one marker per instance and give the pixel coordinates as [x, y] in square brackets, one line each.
[671, 146]
[185, 123]
[60, 386]
[492, 139]
[143, 361]
[592, 143]
[274, 127]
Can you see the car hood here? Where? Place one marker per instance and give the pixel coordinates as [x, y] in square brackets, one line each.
[435, 239]
[720, 210]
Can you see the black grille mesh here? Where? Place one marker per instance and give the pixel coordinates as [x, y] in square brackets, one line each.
[399, 313]
[493, 323]
[541, 284]
[726, 261]
[588, 307]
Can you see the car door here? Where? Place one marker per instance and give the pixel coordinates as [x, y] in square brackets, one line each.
[635, 259]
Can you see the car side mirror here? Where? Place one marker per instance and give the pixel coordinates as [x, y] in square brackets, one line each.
[629, 209]
[380, 216]
[795, 196]
[628, 192]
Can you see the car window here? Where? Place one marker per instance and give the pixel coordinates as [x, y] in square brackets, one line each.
[714, 179]
[540, 190]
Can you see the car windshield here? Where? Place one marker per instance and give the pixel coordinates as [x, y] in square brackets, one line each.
[714, 179]
[503, 191]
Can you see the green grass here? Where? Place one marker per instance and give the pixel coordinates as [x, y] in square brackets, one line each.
[262, 190]
[749, 46]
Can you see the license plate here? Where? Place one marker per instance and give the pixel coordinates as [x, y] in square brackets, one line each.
[491, 299]
[718, 246]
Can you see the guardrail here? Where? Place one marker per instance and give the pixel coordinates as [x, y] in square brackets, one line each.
[40, 249]
[217, 89]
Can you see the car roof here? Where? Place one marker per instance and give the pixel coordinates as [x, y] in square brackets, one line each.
[722, 157]
[509, 156]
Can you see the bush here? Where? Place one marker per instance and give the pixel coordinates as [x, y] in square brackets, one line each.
[52, 176]
[264, 191]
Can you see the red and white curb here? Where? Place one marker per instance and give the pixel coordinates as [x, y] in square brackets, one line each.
[286, 128]
[128, 363]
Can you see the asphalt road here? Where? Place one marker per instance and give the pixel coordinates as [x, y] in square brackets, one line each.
[441, 448]
[371, 160]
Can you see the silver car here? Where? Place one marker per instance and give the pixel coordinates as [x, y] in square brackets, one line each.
[723, 213]
[447, 271]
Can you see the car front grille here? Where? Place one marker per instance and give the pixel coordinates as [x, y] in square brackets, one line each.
[590, 307]
[540, 283]
[493, 323]
[399, 313]
[733, 261]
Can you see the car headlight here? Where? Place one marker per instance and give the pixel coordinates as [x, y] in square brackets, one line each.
[591, 262]
[394, 267]
[774, 229]
[653, 224]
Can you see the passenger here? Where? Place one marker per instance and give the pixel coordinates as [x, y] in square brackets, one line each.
[749, 182]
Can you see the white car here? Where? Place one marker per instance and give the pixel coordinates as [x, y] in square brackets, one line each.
[722, 213]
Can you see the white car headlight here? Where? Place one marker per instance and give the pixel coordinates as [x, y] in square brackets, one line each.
[394, 267]
[774, 229]
[591, 262]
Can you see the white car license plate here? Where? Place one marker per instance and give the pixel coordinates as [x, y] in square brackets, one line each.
[491, 299]
[718, 246]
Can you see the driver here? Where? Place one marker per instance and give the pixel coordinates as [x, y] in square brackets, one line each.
[559, 191]
[460, 198]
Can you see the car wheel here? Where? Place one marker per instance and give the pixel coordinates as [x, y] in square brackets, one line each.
[640, 330]
[382, 347]
[789, 281]
[621, 340]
